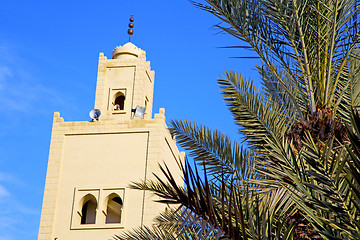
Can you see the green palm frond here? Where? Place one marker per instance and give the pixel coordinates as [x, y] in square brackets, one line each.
[248, 23]
[310, 41]
[230, 208]
[349, 97]
[320, 184]
[354, 72]
[353, 178]
[170, 226]
[195, 196]
[147, 233]
[184, 223]
[214, 149]
[277, 92]
[343, 96]
[258, 117]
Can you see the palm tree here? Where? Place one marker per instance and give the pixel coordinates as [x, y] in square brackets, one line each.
[300, 176]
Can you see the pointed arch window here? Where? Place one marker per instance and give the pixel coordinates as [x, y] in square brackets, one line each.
[114, 208]
[119, 101]
[88, 210]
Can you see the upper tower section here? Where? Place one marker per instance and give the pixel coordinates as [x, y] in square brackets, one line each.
[124, 82]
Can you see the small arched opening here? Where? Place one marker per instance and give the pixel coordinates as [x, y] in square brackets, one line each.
[114, 207]
[119, 101]
[88, 210]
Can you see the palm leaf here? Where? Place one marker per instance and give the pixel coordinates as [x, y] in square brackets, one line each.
[258, 118]
[212, 148]
[320, 185]
[228, 207]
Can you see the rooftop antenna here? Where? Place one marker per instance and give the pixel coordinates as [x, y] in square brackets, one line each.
[131, 25]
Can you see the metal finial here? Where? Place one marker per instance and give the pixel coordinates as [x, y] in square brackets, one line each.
[131, 25]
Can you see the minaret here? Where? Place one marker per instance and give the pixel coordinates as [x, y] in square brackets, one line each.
[92, 163]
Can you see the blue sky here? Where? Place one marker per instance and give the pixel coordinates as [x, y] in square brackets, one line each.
[49, 52]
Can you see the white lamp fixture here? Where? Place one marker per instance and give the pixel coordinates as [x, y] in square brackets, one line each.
[139, 111]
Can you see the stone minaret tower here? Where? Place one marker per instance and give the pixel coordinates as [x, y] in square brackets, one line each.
[91, 163]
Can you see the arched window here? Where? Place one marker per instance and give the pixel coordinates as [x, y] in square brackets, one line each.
[114, 206]
[88, 210]
[119, 102]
